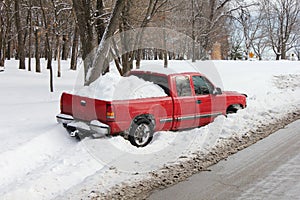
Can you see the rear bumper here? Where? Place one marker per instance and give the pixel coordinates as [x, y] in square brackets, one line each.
[64, 119]
[94, 127]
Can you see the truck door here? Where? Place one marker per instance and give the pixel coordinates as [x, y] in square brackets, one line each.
[184, 103]
[204, 97]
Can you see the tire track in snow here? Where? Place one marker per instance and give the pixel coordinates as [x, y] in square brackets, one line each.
[57, 176]
[20, 162]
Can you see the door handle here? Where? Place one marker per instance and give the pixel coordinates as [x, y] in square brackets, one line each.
[198, 101]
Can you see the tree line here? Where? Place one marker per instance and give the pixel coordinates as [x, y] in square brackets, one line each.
[69, 29]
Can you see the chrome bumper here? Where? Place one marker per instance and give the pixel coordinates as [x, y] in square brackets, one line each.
[64, 119]
[94, 127]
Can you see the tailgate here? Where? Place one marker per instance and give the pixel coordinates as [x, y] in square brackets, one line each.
[83, 108]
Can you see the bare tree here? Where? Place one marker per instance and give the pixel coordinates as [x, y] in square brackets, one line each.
[84, 13]
[48, 45]
[206, 23]
[97, 66]
[236, 40]
[252, 25]
[152, 9]
[215, 14]
[283, 16]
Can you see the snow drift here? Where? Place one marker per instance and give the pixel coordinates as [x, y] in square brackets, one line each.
[112, 86]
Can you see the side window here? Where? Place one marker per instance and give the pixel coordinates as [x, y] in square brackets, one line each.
[202, 86]
[183, 86]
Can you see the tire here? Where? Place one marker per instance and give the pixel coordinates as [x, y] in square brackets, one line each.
[141, 133]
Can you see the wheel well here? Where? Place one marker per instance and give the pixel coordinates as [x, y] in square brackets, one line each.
[149, 117]
[234, 108]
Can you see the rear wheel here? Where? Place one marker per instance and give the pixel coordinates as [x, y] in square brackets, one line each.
[141, 133]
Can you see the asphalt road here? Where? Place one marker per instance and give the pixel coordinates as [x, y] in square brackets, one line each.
[269, 169]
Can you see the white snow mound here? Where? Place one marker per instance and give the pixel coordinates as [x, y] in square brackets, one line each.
[112, 86]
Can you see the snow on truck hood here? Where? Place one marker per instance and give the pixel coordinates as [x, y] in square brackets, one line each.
[112, 86]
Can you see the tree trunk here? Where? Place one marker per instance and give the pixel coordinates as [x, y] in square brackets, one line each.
[65, 49]
[8, 54]
[2, 61]
[30, 36]
[49, 62]
[7, 41]
[1, 40]
[103, 50]
[117, 60]
[278, 53]
[58, 56]
[277, 57]
[48, 48]
[127, 55]
[283, 51]
[88, 40]
[37, 50]
[165, 52]
[100, 21]
[74, 49]
[165, 59]
[160, 55]
[20, 49]
[193, 34]
[155, 54]
[138, 59]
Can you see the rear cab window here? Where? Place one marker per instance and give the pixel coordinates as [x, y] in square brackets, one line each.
[161, 81]
[183, 86]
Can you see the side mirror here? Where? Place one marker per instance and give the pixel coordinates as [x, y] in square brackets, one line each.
[217, 91]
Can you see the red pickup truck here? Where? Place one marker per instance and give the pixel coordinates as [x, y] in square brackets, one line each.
[191, 101]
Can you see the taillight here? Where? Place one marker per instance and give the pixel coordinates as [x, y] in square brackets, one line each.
[61, 103]
[110, 114]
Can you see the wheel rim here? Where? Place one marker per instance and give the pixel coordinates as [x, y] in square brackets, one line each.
[142, 134]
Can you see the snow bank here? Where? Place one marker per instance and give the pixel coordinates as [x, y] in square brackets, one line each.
[112, 86]
[289, 81]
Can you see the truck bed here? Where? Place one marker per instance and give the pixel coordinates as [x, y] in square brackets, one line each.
[124, 111]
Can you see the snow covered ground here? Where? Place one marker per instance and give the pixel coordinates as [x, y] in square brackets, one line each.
[40, 161]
